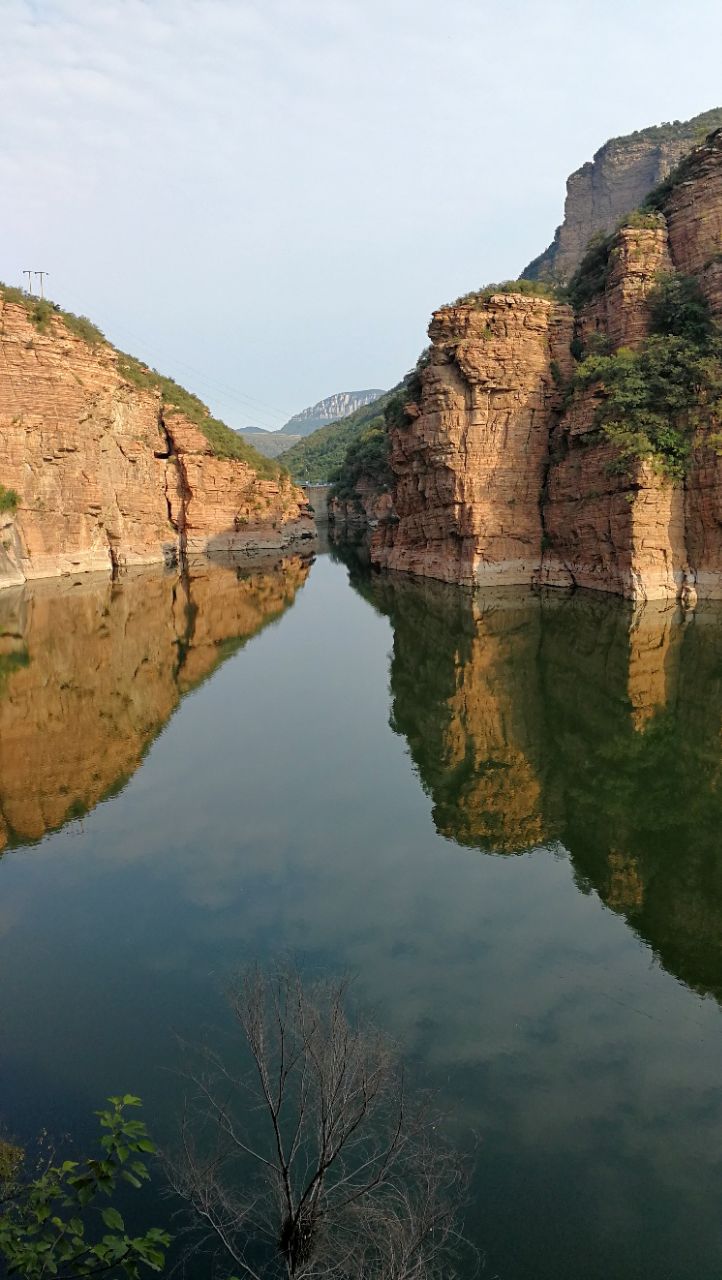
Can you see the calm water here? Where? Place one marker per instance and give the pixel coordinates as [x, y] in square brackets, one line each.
[503, 813]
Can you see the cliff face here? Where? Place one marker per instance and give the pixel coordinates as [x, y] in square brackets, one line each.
[615, 182]
[91, 670]
[105, 474]
[500, 477]
[469, 466]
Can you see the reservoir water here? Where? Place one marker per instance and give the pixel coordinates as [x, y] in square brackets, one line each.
[501, 812]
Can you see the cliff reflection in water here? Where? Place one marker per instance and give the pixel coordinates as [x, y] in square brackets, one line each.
[91, 670]
[534, 719]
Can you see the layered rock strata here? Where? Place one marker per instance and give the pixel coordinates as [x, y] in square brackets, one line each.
[501, 477]
[470, 465]
[105, 474]
[614, 183]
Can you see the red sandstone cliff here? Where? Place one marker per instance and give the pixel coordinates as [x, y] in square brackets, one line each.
[499, 478]
[106, 474]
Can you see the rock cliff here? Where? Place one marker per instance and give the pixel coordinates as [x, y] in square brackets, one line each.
[615, 182]
[502, 473]
[103, 473]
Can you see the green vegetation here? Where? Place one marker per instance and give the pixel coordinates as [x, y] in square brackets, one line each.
[9, 499]
[592, 273]
[11, 662]
[318, 457]
[671, 130]
[224, 442]
[531, 288]
[367, 455]
[53, 1225]
[42, 311]
[658, 398]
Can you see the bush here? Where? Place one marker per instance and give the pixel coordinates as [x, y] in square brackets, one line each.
[657, 399]
[9, 499]
[678, 308]
[592, 274]
[530, 288]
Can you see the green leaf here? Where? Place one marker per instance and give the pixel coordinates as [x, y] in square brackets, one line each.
[112, 1219]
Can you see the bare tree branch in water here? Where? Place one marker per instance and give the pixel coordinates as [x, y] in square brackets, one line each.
[314, 1162]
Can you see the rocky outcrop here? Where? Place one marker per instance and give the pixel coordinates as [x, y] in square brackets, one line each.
[107, 475]
[611, 530]
[614, 183]
[620, 312]
[469, 465]
[501, 476]
[91, 670]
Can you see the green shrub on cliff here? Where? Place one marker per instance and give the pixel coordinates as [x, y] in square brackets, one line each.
[679, 309]
[8, 499]
[592, 273]
[530, 288]
[659, 400]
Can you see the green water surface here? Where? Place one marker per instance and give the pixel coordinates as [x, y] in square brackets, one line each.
[501, 812]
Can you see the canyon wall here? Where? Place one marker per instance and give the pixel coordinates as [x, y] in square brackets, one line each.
[501, 474]
[469, 466]
[107, 475]
[609, 187]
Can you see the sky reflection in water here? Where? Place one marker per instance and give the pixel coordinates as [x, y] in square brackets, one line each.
[501, 813]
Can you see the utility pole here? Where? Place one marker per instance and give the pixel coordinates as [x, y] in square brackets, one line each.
[30, 283]
[41, 274]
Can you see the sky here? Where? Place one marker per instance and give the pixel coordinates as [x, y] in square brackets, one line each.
[266, 199]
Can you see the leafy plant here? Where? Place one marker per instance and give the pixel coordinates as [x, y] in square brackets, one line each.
[678, 308]
[53, 1226]
[9, 499]
[656, 399]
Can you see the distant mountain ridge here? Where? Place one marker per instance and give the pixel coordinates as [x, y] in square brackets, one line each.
[329, 410]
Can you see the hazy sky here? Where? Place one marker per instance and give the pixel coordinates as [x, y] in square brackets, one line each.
[267, 198]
